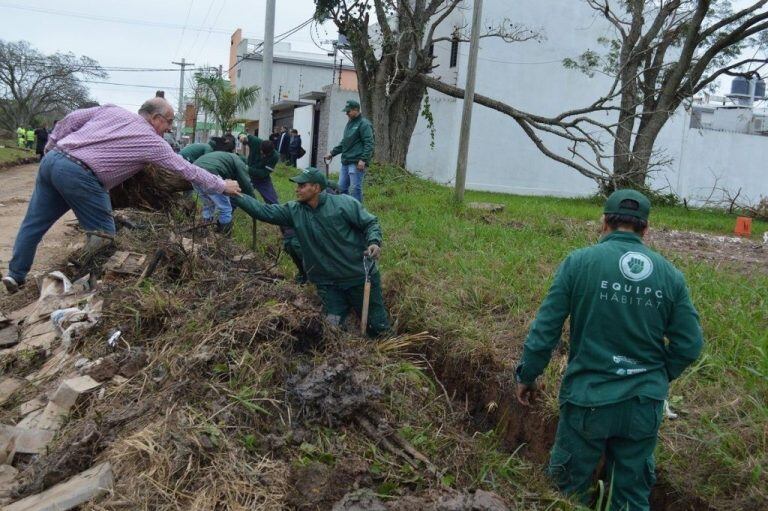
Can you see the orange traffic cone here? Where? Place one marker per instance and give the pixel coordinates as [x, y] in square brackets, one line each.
[743, 226]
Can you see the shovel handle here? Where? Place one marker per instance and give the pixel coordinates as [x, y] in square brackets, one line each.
[366, 303]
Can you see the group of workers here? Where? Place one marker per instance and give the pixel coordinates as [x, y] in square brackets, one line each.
[633, 328]
[27, 138]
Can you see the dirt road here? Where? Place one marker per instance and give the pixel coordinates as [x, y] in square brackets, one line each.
[16, 185]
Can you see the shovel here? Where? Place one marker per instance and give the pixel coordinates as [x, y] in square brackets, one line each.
[368, 266]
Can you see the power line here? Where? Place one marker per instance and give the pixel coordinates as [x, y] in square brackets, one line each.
[158, 87]
[197, 36]
[113, 19]
[184, 29]
[208, 35]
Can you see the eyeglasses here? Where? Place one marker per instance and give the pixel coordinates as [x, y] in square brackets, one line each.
[169, 121]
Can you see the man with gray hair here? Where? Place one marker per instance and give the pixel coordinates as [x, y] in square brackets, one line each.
[89, 152]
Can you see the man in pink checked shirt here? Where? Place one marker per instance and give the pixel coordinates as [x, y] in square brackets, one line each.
[89, 152]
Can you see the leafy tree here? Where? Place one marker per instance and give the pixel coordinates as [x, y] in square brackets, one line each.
[223, 102]
[34, 85]
[390, 62]
[663, 53]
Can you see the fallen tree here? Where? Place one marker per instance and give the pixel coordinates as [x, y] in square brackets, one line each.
[153, 188]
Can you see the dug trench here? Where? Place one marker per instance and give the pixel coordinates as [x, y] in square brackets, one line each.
[485, 387]
[228, 391]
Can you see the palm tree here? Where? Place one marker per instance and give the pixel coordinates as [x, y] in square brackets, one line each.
[219, 99]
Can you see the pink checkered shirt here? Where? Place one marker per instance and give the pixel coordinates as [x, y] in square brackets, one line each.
[116, 144]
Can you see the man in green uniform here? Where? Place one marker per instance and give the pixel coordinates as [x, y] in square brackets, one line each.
[194, 151]
[222, 163]
[623, 300]
[262, 159]
[335, 233]
[356, 149]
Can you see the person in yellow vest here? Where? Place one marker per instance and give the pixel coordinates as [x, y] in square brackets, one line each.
[21, 136]
[30, 138]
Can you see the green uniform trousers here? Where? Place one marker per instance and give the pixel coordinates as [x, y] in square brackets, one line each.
[292, 247]
[338, 299]
[626, 432]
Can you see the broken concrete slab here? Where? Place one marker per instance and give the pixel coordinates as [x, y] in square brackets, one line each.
[8, 482]
[37, 329]
[124, 263]
[7, 387]
[27, 441]
[9, 336]
[486, 206]
[7, 449]
[4, 319]
[52, 417]
[54, 365]
[76, 491]
[43, 342]
[29, 421]
[70, 390]
[32, 405]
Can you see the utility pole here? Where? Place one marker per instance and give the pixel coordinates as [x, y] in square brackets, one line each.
[180, 111]
[265, 119]
[469, 99]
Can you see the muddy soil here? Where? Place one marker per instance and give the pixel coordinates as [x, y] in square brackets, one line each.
[18, 183]
[743, 254]
[487, 390]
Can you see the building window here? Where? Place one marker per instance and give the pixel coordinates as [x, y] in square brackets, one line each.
[238, 72]
[454, 51]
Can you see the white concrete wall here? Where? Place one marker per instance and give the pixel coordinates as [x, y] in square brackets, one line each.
[337, 120]
[706, 160]
[527, 75]
[530, 76]
[302, 122]
[289, 81]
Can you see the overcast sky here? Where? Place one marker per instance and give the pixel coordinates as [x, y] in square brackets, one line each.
[149, 34]
[152, 34]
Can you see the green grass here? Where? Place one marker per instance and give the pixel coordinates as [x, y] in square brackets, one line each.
[10, 152]
[477, 278]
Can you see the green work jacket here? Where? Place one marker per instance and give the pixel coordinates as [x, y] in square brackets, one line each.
[195, 151]
[31, 135]
[227, 166]
[633, 327]
[357, 143]
[333, 235]
[257, 163]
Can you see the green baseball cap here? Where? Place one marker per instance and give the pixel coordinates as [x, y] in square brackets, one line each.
[628, 202]
[351, 105]
[311, 175]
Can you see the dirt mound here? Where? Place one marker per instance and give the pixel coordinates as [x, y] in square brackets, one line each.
[745, 255]
[216, 384]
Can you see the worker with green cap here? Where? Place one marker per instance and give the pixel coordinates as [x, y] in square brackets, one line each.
[340, 241]
[633, 329]
[194, 151]
[21, 137]
[356, 149]
[227, 165]
[30, 138]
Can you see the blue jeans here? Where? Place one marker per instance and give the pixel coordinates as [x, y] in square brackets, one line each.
[61, 185]
[351, 181]
[213, 202]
